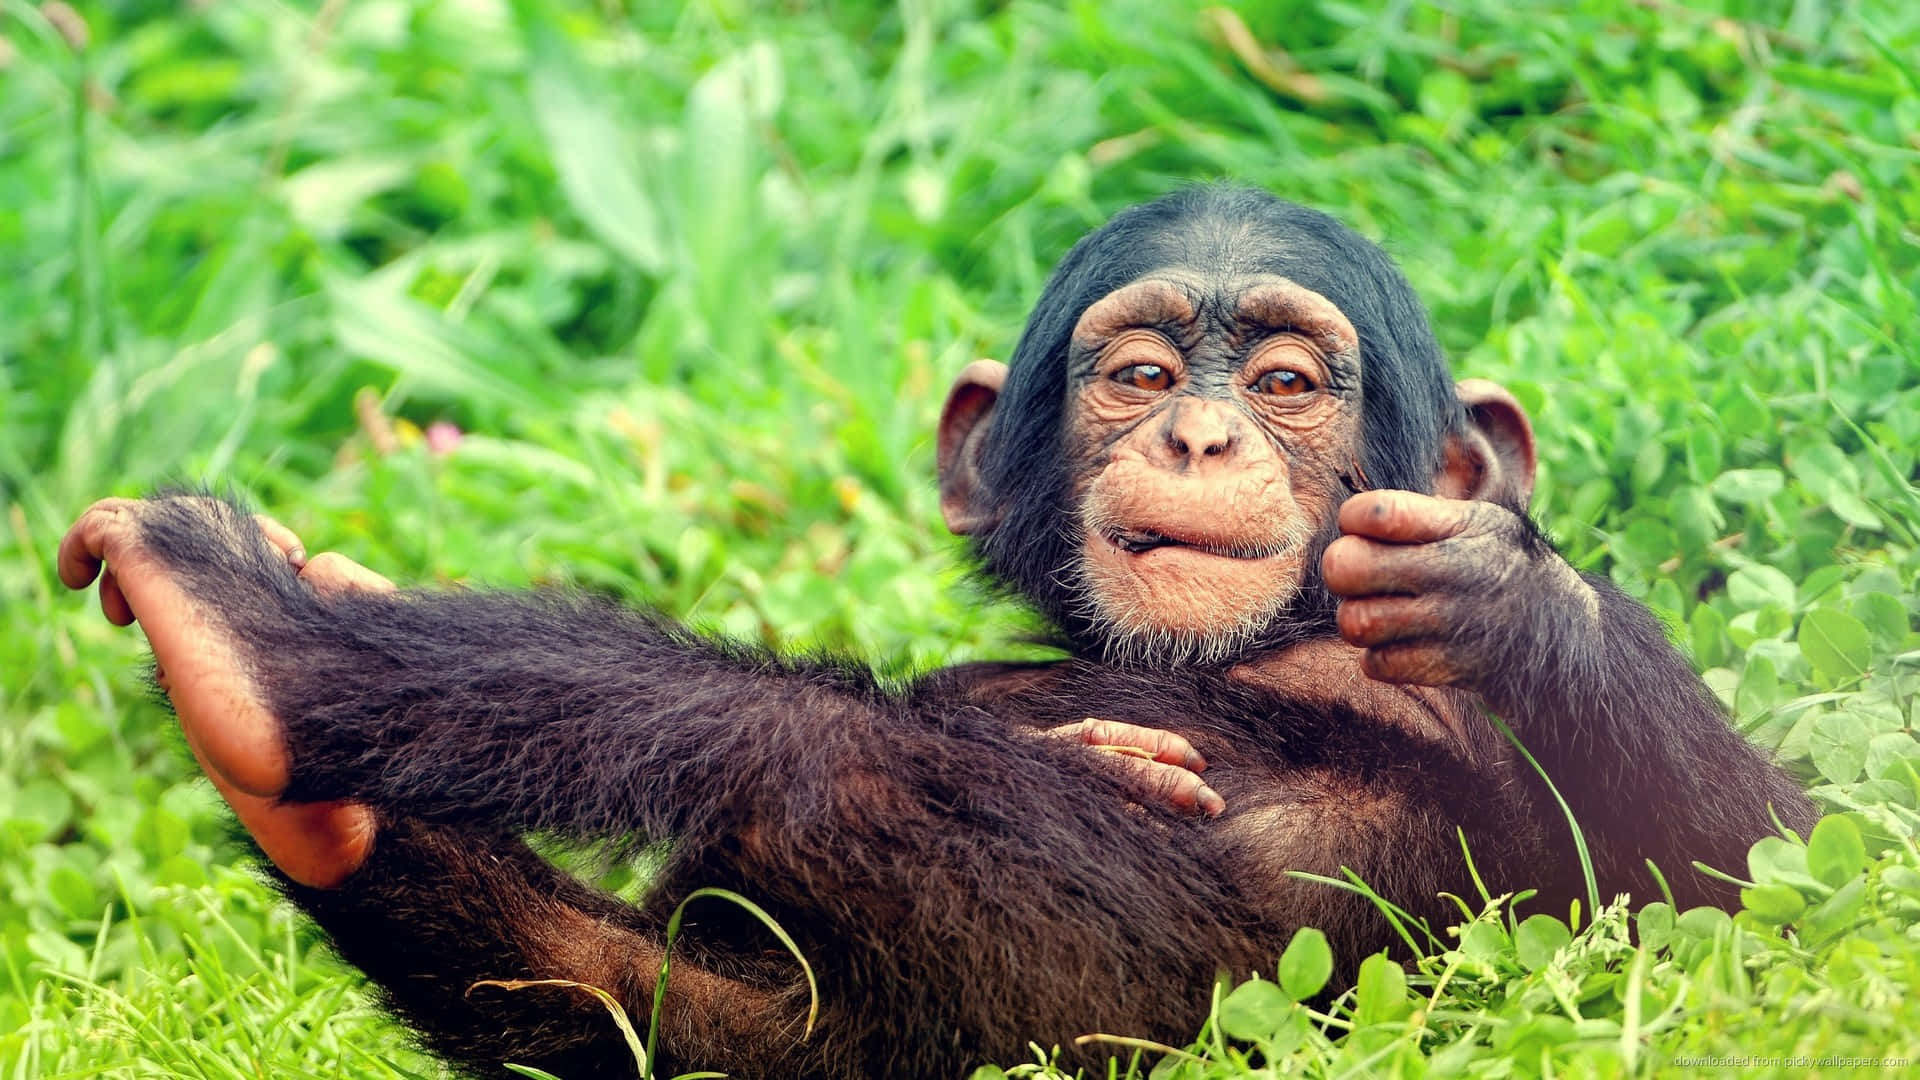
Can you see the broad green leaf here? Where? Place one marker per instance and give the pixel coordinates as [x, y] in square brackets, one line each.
[1446, 97]
[40, 809]
[1649, 465]
[593, 149]
[1704, 451]
[1823, 468]
[1748, 485]
[1759, 687]
[1591, 499]
[1665, 600]
[161, 834]
[1771, 622]
[718, 164]
[1655, 924]
[1836, 853]
[1836, 645]
[1892, 754]
[180, 870]
[1878, 793]
[81, 728]
[1756, 586]
[1674, 101]
[1646, 543]
[1702, 923]
[1837, 912]
[1707, 633]
[1902, 879]
[1697, 518]
[1838, 745]
[1773, 903]
[1774, 859]
[1886, 618]
[1538, 939]
[1254, 1010]
[374, 318]
[323, 197]
[1854, 510]
[1823, 580]
[1485, 940]
[1307, 963]
[1380, 995]
[1293, 1032]
[72, 892]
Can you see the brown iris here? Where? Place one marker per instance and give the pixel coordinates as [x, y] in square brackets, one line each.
[1144, 377]
[1283, 383]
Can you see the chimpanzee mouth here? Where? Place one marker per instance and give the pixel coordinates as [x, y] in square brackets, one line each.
[1138, 541]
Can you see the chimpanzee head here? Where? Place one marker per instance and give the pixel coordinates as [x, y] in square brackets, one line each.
[1202, 383]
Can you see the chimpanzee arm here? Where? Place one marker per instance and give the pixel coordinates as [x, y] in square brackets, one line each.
[1451, 592]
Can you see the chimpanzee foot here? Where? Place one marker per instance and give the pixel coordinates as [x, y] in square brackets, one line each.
[232, 733]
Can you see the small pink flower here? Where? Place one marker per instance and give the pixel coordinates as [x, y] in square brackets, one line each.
[442, 437]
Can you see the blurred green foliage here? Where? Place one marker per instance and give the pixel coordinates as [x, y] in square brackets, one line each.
[690, 282]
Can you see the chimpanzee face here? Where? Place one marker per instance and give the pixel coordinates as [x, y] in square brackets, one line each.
[1202, 382]
[1209, 422]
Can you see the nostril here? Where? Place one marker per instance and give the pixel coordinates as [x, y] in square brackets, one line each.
[1178, 445]
[1216, 449]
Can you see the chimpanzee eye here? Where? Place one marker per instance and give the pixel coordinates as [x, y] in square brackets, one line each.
[1144, 377]
[1283, 383]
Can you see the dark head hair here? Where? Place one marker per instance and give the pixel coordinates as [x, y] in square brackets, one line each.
[1407, 398]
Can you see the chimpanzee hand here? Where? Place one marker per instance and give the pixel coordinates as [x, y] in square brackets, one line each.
[228, 727]
[1161, 768]
[1452, 592]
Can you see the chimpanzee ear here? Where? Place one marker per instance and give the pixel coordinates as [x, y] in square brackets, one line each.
[964, 501]
[1493, 458]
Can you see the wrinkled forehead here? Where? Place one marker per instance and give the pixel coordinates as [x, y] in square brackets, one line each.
[1178, 299]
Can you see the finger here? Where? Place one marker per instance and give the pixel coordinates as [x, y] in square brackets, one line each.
[83, 548]
[113, 602]
[284, 539]
[1383, 620]
[1357, 566]
[1162, 746]
[1157, 784]
[1404, 517]
[332, 572]
[1419, 663]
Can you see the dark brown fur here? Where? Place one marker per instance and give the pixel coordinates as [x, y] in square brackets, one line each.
[960, 885]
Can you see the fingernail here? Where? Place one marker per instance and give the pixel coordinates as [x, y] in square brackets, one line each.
[1195, 763]
[1211, 804]
[297, 558]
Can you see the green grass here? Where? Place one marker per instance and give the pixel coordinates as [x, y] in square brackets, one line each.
[692, 284]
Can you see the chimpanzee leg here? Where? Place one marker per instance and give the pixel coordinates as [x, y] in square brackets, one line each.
[437, 910]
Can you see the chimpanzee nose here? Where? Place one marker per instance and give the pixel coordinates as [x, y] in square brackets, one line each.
[1196, 432]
